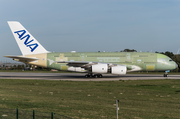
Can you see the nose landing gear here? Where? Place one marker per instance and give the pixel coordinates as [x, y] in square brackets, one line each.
[166, 73]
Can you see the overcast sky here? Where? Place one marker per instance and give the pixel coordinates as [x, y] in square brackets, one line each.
[93, 25]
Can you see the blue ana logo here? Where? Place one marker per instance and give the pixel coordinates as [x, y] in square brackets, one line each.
[27, 41]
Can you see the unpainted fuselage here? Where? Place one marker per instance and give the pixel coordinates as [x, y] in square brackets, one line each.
[134, 61]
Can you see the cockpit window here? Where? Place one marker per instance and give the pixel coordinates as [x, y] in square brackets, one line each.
[170, 60]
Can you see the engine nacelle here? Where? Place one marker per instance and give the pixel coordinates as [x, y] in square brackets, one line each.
[100, 68]
[120, 70]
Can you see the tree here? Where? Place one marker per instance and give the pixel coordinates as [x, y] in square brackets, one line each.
[169, 54]
[128, 50]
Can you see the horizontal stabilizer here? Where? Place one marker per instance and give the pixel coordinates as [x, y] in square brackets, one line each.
[21, 58]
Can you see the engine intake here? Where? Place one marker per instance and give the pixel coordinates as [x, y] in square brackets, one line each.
[120, 70]
[100, 68]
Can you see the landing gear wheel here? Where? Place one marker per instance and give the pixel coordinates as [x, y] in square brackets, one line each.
[97, 75]
[87, 75]
[100, 76]
[165, 75]
[93, 75]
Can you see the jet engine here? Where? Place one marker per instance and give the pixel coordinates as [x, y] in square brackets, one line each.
[103, 68]
[100, 68]
[119, 70]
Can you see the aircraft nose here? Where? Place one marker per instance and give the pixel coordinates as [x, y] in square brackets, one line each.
[176, 65]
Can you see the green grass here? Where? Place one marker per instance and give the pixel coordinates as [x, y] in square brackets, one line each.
[139, 99]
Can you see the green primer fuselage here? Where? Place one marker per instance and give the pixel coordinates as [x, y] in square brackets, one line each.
[145, 60]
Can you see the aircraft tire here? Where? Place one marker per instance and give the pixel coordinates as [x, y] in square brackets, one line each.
[165, 75]
[95, 76]
[100, 76]
[87, 75]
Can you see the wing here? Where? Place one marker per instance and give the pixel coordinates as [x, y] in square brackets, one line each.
[87, 65]
[82, 64]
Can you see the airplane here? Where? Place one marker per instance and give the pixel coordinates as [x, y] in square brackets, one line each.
[93, 63]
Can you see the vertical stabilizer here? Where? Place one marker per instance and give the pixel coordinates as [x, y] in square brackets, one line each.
[26, 42]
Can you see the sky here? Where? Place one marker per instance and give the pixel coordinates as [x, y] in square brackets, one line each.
[93, 25]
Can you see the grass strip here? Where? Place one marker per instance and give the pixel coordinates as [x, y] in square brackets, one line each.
[139, 99]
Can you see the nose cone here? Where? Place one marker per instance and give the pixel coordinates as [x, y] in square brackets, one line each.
[172, 65]
[176, 65]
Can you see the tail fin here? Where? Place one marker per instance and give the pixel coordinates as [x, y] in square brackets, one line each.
[26, 42]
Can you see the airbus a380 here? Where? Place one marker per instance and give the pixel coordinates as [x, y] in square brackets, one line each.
[93, 63]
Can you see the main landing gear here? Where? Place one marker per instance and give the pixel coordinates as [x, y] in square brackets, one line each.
[93, 76]
[166, 73]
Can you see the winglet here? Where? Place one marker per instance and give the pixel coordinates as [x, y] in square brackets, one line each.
[26, 42]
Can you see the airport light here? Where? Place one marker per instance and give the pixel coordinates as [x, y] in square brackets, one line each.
[117, 108]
